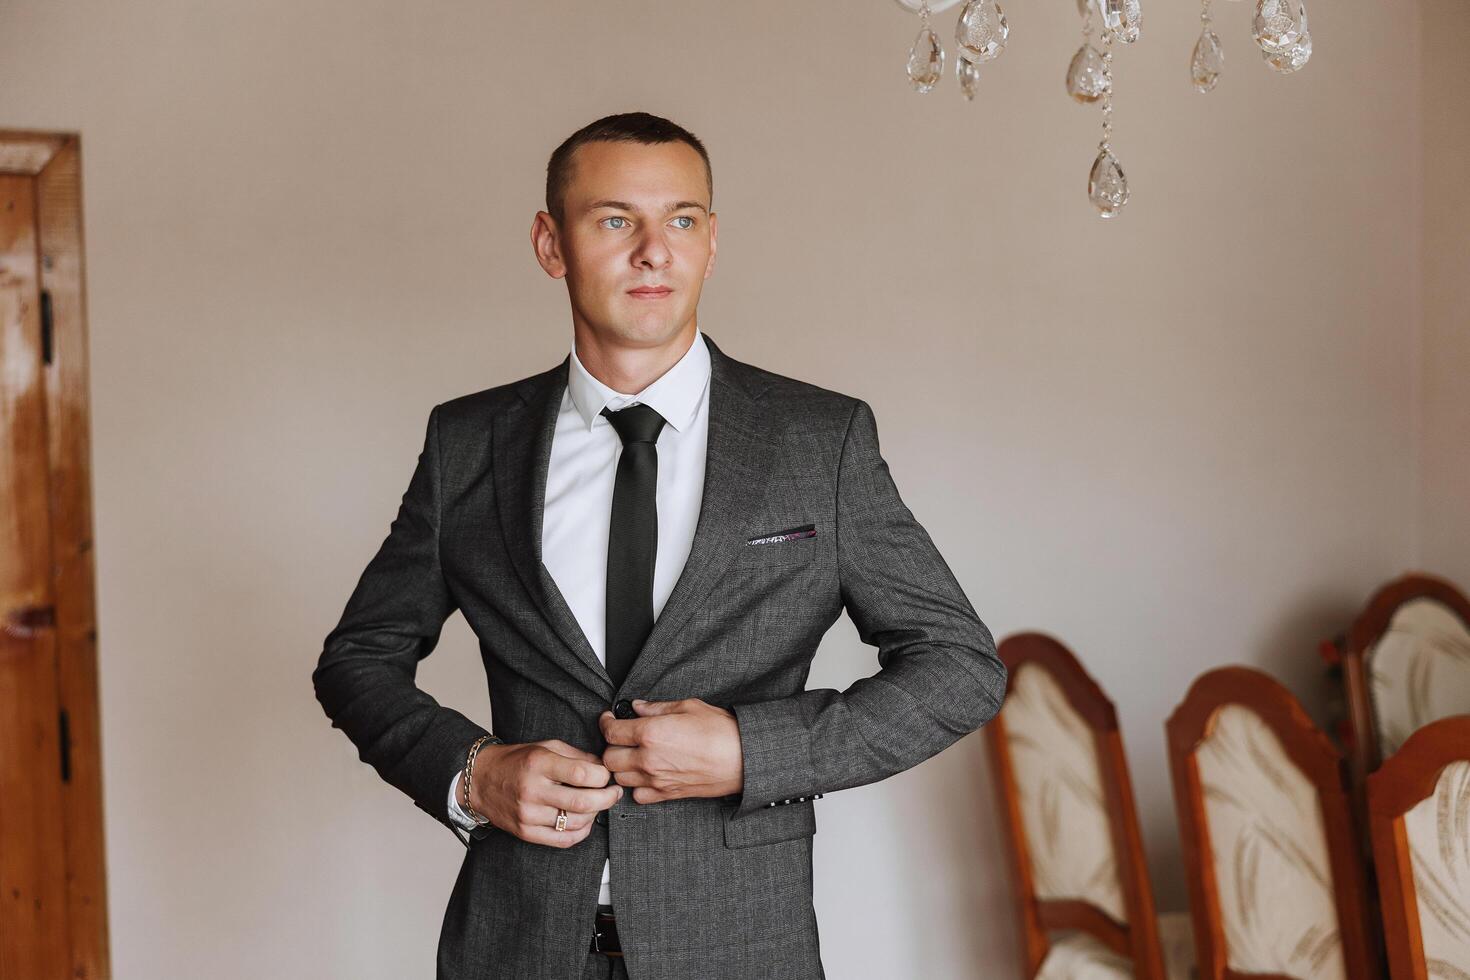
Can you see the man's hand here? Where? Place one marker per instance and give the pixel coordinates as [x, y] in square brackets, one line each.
[674, 749]
[519, 788]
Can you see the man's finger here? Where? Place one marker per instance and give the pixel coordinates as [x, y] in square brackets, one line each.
[647, 794]
[621, 758]
[607, 721]
[542, 815]
[647, 709]
[633, 777]
[620, 731]
[577, 800]
[573, 772]
[552, 838]
[570, 751]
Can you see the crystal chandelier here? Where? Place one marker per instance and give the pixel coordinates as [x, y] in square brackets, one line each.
[980, 36]
[1279, 29]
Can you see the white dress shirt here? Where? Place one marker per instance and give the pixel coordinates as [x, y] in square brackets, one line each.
[579, 491]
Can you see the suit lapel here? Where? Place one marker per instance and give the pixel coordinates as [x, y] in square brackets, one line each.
[522, 441]
[739, 435]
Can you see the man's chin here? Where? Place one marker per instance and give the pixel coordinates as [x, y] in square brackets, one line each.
[650, 331]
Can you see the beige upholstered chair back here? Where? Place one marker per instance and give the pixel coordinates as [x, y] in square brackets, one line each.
[1269, 852]
[1060, 790]
[1271, 846]
[1419, 806]
[1438, 832]
[1418, 671]
[1066, 802]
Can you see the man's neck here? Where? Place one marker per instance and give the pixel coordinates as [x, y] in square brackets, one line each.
[628, 370]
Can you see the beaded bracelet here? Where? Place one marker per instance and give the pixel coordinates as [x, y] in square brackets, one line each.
[469, 771]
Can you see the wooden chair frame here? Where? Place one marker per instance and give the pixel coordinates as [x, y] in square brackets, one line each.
[1137, 939]
[1312, 753]
[48, 621]
[1363, 753]
[1408, 777]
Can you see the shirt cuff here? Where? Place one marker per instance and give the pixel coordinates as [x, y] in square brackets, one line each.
[462, 820]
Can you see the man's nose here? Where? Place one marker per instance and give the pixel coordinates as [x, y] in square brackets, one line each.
[652, 250]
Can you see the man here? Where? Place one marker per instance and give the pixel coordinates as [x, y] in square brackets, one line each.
[649, 540]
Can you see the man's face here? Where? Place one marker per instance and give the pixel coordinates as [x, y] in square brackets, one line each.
[636, 216]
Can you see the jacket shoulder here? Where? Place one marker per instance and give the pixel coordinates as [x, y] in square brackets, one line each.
[801, 398]
[481, 406]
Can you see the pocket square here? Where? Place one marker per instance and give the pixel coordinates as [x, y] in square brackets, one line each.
[790, 534]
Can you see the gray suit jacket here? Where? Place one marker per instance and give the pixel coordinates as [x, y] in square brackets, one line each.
[703, 888]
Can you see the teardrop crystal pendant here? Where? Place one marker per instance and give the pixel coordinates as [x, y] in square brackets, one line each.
[1208, 61]
[926, 61]
[968, 74]
[1107, 188]
[1123, 19]
[1293, 57]
[981, 31]
[1278, 24]
[1086, 80]
[1132, 21]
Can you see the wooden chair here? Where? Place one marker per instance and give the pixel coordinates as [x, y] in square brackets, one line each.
[1405, 662]
[1276, 881]
[1419, 809]
[1066, 803]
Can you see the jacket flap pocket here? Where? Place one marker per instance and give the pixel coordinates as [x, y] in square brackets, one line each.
[770, 824]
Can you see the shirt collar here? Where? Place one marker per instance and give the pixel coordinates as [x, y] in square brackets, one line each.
[675, 394]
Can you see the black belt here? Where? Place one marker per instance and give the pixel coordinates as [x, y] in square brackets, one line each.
[605, 932]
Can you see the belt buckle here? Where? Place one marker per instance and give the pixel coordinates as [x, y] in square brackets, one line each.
[597, 937]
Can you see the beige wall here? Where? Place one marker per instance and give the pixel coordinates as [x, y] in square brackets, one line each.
[1444, 531]
[1181, 437]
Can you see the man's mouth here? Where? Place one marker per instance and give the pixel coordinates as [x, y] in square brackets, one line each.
[650, 292]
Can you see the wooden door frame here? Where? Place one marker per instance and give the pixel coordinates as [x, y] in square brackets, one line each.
[54, 161]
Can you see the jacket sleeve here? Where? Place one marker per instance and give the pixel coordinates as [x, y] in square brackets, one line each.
[364, 678]
[939, 676]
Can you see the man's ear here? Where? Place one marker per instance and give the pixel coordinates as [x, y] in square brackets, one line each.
[714, 226]
[546, 244]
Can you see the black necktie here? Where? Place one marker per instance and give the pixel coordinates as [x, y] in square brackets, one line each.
[632, 543]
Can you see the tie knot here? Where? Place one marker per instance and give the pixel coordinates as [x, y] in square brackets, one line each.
[636, 423]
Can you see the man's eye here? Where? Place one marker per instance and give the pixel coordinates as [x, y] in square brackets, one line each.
[615, 218]
[685, 217]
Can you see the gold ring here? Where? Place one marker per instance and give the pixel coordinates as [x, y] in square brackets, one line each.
[561, 819]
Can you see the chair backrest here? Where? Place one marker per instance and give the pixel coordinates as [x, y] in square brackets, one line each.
[1419, 808]
[1276, 882]
[1066, 804]
[1406, 662]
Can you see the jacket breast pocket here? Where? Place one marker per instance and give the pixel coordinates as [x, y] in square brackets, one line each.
[770, 825]
[791, 546]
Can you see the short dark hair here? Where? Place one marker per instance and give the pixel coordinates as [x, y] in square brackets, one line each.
[624, 127]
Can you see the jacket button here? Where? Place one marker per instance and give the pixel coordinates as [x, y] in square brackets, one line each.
[624, 709]
[601, 818]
